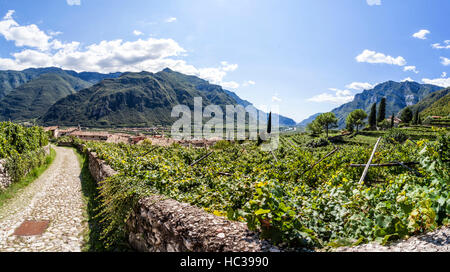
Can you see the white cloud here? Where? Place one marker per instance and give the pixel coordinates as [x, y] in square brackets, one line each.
[410, 68]
[137, 33]
[360, 86]
[54, 33]
[444, 74]
[408, 79]
[9, 14]
[73, 2]
[229, 85]
[29, 35]
[106, 56]
[171, 20]
[439, 46]
[374, 2]
[421, 34]
[228, 67]
[374, 57]
[275, 98]
[441, 82]
[248, 83]
[445, 61]
[339, 97]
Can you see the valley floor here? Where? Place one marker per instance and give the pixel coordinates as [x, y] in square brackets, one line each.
[56, 197]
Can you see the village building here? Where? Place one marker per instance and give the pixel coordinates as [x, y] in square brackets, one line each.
[91, 136]
[68, 131]
[54, 131]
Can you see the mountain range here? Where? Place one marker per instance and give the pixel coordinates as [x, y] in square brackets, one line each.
[398, 96]
[9, 80]
[62, 97]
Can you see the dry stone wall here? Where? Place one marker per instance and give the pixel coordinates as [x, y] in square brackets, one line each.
[159, 224]
[166, 225]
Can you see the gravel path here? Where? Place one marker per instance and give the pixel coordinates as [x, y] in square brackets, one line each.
[55, 196]
[435, 241]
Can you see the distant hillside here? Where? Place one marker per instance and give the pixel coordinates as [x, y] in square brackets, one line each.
[398, 96]
[135, 99]
[34, 98]
[283, 120]
[428, 100]
[9, 80]
[441, 107]
[308, 120]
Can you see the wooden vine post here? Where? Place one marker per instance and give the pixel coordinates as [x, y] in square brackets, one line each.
[273, 154]
[326, 156]
[202, 158]
[366, 169]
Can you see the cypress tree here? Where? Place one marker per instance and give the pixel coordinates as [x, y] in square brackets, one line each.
[415, 120]
[406, 115]
[373, 116]
[269, 124]
[392, 121]
[382, 110]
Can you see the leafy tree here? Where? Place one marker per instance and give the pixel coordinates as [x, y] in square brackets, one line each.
[350, 127]
[373, 116]
[327, 121]
[385, 124]
[356, 118]
[382, 110]
[315, 128]
[406, 115]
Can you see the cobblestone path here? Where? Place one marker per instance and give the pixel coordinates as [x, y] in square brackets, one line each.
[55, 197]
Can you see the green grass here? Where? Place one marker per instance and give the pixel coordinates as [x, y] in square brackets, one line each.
[92, 235]
[34, 174]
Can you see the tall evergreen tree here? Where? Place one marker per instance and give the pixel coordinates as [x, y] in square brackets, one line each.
[269, 124]
[415, 120]
[382, 110]
[373, 116]
[406, 115]
[392, 121]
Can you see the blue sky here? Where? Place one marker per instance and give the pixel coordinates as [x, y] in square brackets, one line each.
[306, 56]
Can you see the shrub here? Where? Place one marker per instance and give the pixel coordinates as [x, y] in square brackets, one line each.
[19, 165]
[222, 144]
[318, 143]
[147, 142]
[395, 136]
[385, 124]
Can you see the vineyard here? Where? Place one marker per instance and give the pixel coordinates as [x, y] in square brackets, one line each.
[21, 147]
[304, 194]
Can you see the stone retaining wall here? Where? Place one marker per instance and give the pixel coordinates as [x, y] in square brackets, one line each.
[166, 225]
[5, 180]
[98, 168]
[159, 224]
